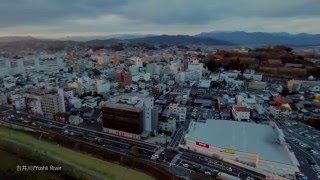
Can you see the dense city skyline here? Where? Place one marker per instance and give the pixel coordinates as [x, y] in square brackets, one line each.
[60, 18]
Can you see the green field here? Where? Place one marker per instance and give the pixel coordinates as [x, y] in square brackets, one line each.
[106, 169]
[8, 169]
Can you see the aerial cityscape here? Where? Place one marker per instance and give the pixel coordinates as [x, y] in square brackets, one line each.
[133, 90]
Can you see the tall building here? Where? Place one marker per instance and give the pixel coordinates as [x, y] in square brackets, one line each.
[53, 103]
[114, 60]
[103, 86]
[129, 116]
[151, 68]
[124, 78]
[197, 67]
[44, 102]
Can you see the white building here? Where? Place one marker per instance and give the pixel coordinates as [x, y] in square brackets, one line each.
[69, 92]
[76, 102]
[240, 113]
[92, 103]
[197, 67]
[151, 68]
[53, 103]
[169, 125]
[33, 103]
[178, 110]
[205, 83]
[281, 112]
[103, 86]
[249, 102]
[148, 107]
[18, 101]
[250, 74]
[137, 61]
[257, 147]
[142, 85]
[75, 120]
[134, 69]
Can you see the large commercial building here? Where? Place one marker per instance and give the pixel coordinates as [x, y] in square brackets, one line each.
[123, 121]
[255, 145]
[130, 116]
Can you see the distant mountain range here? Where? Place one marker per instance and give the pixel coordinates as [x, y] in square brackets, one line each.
[161, 39]
[221, 38]
[90, 38]
[7, 39]
[181, 39]
[262, 38]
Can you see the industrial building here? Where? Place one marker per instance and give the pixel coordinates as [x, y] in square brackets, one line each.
[256, 145]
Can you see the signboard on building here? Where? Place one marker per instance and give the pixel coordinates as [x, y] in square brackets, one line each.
[202, 144]
[229, 151]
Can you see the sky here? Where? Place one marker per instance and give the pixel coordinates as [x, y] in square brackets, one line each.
[60, 18]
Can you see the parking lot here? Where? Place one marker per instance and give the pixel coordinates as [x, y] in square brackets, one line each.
[304, 142]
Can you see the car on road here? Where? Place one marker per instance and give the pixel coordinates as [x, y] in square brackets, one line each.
[300, 176]
[310, 161]
[185, 165]
[314, 152]
[155, 156]
[208, 173]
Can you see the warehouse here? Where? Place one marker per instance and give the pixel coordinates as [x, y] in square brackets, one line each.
[257, 145]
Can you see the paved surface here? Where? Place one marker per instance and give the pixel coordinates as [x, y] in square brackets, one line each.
[295, 140]
[302, 156]
[202, 162]
[198, 163]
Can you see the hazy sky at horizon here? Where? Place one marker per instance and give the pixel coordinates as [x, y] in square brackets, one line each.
[59, 18]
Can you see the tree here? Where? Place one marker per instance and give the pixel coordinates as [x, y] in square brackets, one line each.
[134, 151]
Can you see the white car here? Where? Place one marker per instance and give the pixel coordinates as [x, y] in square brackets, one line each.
[155, 156]
[185, 165]
[314, 152]
[208, 173]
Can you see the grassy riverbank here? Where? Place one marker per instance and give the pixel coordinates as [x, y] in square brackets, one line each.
[95, 165]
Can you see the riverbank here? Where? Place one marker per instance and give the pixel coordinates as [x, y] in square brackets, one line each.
[72, 163]
[8, 168]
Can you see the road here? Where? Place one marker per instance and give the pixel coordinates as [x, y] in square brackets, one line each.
[114, 142]
[214, 164]
[294, 139]
[302, 158]
[123, 145]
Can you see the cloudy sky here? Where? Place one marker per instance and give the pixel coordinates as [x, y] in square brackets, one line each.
[59, 18]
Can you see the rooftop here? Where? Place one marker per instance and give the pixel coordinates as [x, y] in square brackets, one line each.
[241, 136]
[240, 109]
